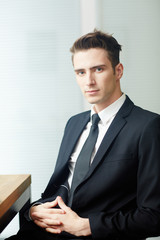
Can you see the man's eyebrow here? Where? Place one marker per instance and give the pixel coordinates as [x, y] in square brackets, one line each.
[79, 70]
[97, 66]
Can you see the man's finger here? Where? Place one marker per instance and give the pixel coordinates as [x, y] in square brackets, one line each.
[52, 222]
[51, 204]
[41, 215]
[55, 211]
[41, 224]
[62, 205]
[53, 230]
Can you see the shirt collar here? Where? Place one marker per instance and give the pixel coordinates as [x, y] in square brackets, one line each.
[110, 111]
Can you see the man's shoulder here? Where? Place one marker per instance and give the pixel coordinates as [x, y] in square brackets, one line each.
[138, 111]
[78, 118]
[144, 112]
[81, 115]
[143, 119]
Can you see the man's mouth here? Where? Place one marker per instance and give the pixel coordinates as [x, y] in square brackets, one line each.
[91, 92]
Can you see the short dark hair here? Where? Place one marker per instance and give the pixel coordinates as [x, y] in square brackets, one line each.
[98, 39]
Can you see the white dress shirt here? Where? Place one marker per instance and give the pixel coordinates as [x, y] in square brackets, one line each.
[106, 117]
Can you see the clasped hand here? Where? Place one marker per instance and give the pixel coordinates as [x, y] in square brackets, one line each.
[56, 220]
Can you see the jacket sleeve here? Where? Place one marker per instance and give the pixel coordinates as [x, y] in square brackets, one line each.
[144, 221]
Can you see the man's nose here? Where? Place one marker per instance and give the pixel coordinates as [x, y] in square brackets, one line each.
[90, 78]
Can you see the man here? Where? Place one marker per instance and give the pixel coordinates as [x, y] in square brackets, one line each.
[118, 197]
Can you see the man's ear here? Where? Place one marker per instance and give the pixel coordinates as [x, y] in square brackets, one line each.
[119, 70]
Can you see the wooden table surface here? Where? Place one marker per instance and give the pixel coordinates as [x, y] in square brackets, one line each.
[14, 191]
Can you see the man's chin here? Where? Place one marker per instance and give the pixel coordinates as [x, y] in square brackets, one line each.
[92, 100]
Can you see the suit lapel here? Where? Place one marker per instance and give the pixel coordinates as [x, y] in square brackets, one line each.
[114, 129]
[111, 134]
[73, 135]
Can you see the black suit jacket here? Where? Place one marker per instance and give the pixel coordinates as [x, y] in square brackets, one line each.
[121, 192]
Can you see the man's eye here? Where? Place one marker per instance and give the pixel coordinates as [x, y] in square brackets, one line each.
[81, 73]
[99, 69]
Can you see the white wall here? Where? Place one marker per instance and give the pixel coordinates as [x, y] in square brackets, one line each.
[38, 91]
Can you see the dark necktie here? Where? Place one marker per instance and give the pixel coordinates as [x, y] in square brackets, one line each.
[83, 161]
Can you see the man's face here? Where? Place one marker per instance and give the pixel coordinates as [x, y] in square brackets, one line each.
[99, 83]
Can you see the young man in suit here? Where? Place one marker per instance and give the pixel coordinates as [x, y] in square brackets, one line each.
[118, 197]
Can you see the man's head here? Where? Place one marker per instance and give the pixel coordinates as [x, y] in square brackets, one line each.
[98, 39]
[97, 67]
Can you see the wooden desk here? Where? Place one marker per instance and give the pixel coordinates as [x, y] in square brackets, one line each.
[14, 195]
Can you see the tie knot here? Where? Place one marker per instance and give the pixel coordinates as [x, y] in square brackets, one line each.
[95, 119]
